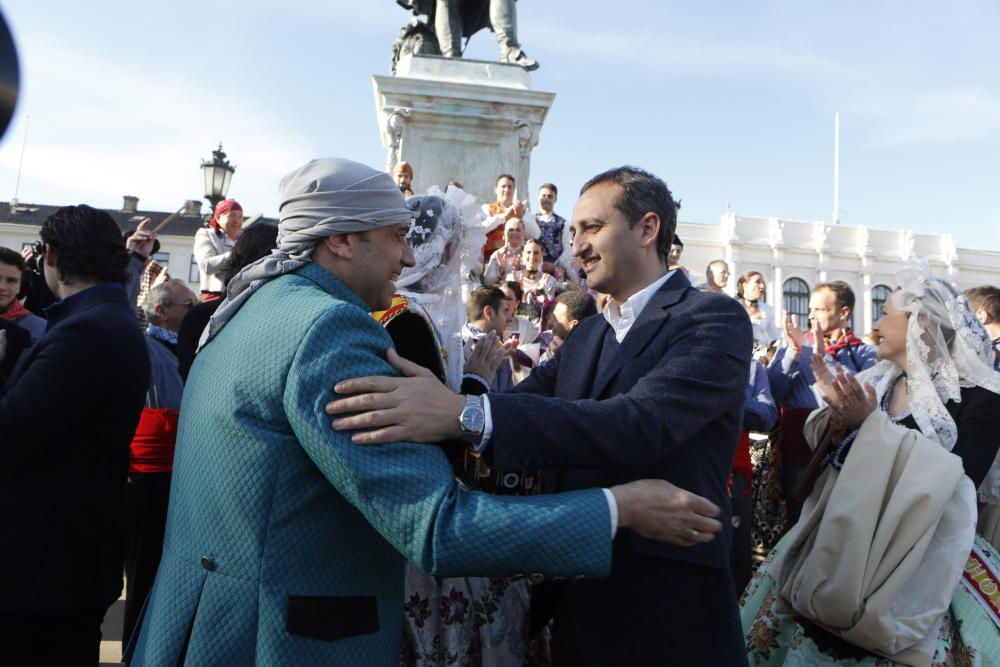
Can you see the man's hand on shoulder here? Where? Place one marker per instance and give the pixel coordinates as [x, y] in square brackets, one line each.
[663, 512]
[416, 407]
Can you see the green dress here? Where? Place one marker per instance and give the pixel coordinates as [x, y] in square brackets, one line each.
[968, 636]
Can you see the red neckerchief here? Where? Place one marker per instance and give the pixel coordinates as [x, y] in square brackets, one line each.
[846, 341]
[15, 311]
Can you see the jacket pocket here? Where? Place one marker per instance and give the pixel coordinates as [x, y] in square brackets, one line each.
[331, 618]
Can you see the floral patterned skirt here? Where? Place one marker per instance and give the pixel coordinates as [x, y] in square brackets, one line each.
[968, 636]
[769, 519]
[468, 621]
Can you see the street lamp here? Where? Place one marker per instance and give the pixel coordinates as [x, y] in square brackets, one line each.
[218, 173]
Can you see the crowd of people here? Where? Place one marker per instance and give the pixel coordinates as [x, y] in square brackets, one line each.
[416, 428]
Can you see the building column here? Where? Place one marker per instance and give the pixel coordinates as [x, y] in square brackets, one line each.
[866, 298]
[777, 289]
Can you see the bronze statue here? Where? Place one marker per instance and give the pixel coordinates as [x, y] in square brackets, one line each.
[454, 19]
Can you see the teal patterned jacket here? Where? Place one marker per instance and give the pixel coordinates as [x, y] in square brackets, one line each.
[285, 542]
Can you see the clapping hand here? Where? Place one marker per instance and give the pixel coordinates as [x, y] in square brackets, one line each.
[843, 393]
[819, 343]
[793, 332]
[485, 356]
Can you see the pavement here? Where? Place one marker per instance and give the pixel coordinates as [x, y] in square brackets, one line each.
[111, 634]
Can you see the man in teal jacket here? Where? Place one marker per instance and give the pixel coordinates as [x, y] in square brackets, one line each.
[285, 542]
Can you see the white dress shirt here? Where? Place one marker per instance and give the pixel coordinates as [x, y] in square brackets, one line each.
[621, 318]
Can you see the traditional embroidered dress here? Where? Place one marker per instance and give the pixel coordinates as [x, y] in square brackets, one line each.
[538, 288]
[552, 227]
[468, 621]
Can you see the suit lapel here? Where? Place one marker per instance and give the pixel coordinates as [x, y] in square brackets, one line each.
[582, 374]
[650, 321]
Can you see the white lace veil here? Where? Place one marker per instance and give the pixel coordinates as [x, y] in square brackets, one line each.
[446, 237]
[946, 349]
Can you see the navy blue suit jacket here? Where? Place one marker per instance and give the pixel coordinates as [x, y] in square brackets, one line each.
[67, 416]
[669, 405]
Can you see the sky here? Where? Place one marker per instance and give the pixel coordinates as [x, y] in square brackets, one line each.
[731, 103]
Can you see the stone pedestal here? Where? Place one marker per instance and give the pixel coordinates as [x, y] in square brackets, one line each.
[462, 120]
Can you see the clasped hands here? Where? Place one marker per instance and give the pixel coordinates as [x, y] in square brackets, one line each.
[418, 407]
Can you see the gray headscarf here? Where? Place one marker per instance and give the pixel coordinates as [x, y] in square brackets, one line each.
[325, 197]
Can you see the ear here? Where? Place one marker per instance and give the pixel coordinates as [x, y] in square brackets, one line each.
[340, 245]
[650, 229]
[488, 312]
[50, 256]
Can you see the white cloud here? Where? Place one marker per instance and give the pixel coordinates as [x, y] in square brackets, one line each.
[106, 128]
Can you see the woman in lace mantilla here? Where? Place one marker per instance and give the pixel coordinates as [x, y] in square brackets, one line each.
[885, 565]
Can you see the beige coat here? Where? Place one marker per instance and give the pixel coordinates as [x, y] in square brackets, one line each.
[880, 546]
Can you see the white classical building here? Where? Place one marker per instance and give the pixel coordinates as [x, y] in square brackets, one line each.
[793, 256]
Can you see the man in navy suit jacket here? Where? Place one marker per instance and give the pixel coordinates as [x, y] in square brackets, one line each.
[655, 387]
[67, 415]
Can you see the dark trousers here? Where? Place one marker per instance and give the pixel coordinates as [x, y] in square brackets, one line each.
[742, 541]
[58, 640]
[649, 611]
[791, 473]
[146, 496]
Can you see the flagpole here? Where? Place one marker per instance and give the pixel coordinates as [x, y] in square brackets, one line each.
[836, 168]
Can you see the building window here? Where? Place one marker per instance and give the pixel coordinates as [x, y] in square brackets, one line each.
[796, 293]
[162, 258]
[194, 276]
[880, 294]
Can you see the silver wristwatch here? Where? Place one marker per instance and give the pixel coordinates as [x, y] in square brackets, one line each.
[472, 419]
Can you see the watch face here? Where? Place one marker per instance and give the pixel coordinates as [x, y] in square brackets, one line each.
[473, 420]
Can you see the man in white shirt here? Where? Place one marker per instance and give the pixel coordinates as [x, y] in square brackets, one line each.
[654, 388]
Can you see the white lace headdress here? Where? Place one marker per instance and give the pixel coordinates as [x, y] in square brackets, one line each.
[946, 349]
[446, 236]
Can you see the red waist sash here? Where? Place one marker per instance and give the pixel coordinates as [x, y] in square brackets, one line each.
[154, 440]
[741, 462]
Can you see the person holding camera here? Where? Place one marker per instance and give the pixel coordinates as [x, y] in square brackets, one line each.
[67, 416]
[12, 268]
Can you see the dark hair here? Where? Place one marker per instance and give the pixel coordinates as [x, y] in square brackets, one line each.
[842, 292]
[578, 304]
[255, 242]
[503, 176]
[677, 241]
[536, 242]
[87, 243]
[744, 279]
[985, 298]
[642, 193]
[8, 256]
[516, 286]
[549, 186]
[482, 297]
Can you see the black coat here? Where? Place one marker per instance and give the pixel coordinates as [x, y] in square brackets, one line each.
[668, 405]
[67, 416]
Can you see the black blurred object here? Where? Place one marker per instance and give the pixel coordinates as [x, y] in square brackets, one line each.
[18, 340]
[10, 77]
[36, 260]
[34, 291]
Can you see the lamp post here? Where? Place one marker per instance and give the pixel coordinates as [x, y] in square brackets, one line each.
[218, 173]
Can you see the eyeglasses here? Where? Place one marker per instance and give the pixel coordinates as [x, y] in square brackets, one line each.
[187, 304]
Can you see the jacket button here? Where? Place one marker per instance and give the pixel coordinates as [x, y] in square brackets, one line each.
[207, 563]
